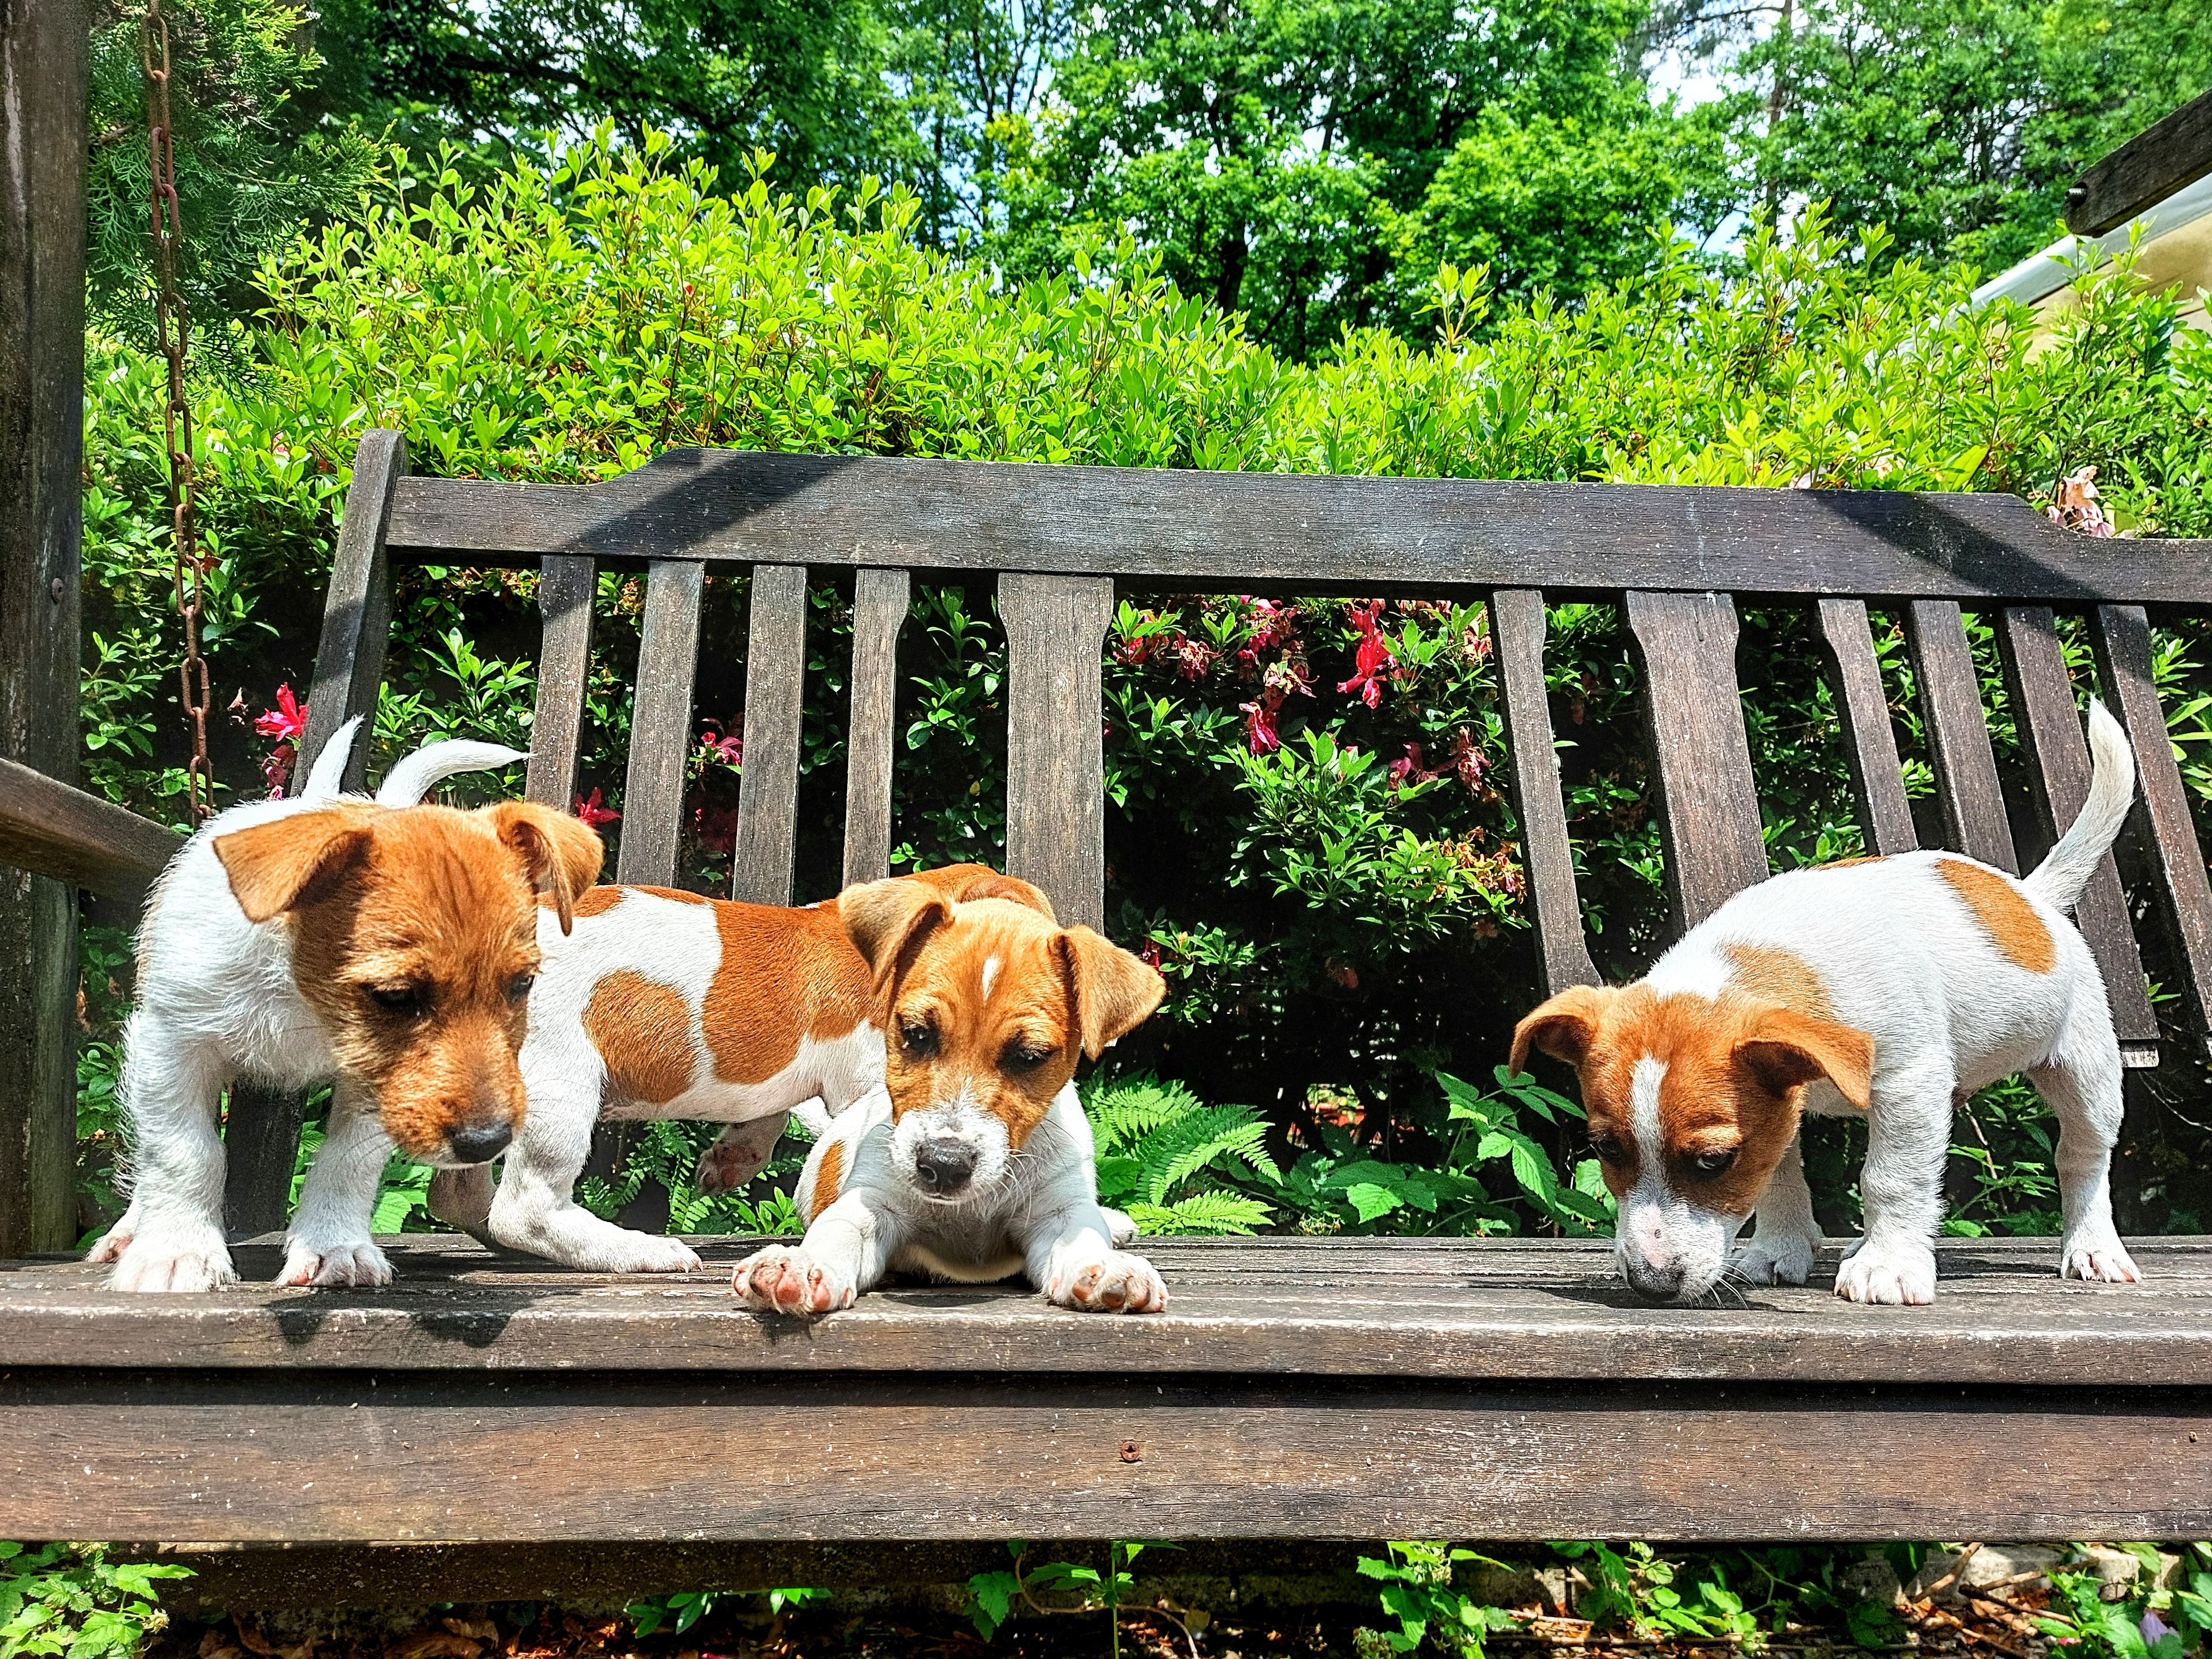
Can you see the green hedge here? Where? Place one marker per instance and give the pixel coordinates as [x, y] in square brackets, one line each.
[1307, 829]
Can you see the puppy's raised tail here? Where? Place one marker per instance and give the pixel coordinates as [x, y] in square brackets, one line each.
[2060, 878]
[412, 778]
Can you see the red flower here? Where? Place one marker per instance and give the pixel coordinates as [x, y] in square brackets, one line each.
[1466, 761]
[1149, 954]
[1375, 659]
[727, 747]
[1408, 768]
[595, 812]
[1193, 656]
[287, 720]
[1260, 724]
[277, 769]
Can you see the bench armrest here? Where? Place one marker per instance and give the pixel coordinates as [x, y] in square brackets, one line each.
[47, 827]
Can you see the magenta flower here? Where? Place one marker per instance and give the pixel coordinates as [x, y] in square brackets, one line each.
[595, 812]
[287, 720]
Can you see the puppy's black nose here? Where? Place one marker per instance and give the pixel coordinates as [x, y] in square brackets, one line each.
[944, 1166]
[479, 1143]
[1656, 1284]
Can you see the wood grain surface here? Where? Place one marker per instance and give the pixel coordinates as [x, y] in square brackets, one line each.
[2143, 171]
[1271, 531]
[1056, 743]
[72, 836]
[565, 590]
[356, 608]
[1949, 696]
[1517, 635]
[880, 600]
[660, 725]
[1869, 739]
[775, 691]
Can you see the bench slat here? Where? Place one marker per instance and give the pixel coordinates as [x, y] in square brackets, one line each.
[1307, 534]
[1965, 767]
[2120, 636]
[775, 689]
[566, 587]
[880, 601]
[57, 829]
[357, 608]
[660, 723]
[2050, 727]
[1516, 635]
[1707, 801]
[260, 1144]
[1869, 739]
[1055, 747]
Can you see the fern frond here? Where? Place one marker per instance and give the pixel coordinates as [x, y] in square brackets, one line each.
[1125, 1111]
[1220, 1214]
[1180, 1149]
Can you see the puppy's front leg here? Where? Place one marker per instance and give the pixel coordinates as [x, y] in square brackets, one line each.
[1786, 1236]
[329, 1241]
[846, 1251]
[171, 1237]
[1908, 1141]
[1072, 1260]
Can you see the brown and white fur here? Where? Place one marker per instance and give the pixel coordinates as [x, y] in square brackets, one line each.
[665, 1003]
[1891, 987]
[975, 1161]
[383, 946]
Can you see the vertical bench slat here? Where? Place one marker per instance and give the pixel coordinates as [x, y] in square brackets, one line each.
[1516, 635]
[1974, 821]
[358, 609]
[661, 723]
[261, 1146]
[1055, 745]
[2120, 636]
[1870, 740]
[880, 600]
[2050, 728]
[775, 691]
[566, 586]
[1708, 802]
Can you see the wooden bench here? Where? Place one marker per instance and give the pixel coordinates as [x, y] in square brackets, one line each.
[1295, 1388]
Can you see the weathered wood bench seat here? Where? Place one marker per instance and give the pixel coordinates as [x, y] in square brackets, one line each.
[1300, 1387]
[1297, 1387]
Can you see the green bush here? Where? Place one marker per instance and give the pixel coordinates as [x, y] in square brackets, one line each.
[1307, 830]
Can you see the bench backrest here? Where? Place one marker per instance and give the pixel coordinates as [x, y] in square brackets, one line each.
[1058, 539]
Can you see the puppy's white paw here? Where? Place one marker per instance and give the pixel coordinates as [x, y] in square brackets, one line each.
[786, 1281]
[1115, 1282]
[110, 1246]
[741, 1151]
[2098, 1257]
[1768, 1260]
[648, 1253]
[350, 1264]
[173, 1259]
[1894, 1275]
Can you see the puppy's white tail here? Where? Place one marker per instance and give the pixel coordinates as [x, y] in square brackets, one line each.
[411, 778]
[2060, 878]
[329, 769]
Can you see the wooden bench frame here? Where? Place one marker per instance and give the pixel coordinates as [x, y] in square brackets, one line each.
[1520, 1395]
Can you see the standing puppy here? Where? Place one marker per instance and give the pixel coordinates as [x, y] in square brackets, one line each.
[383, 946]
[1891, 988]
[975, 1162]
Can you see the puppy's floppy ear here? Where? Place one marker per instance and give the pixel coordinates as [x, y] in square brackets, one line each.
[989, 884]
[888, 920]
[274, 866]
[1785, 1049]
[1563, 1027]
[561, 855]
[1115, 992]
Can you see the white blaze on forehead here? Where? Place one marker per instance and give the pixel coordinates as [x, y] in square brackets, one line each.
[990, 975]
[1644, 1114]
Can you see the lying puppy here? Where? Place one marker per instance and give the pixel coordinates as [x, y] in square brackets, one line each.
[975, 1161]
[667, 1004]
[384, 946]
[1890, 988]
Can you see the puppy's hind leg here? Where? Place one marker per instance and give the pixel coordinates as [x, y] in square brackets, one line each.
[2080, 1082]
[741, 1151]
[171, 1237]
[1786, 1236]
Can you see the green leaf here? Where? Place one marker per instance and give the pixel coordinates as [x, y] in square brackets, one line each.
[1372, 1201]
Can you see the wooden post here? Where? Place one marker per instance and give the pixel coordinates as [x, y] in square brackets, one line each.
[43, 93]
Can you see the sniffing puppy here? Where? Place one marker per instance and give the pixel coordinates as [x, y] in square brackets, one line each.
[1891, 987]
[384, 947]
[665, 1003]
[975, 1161]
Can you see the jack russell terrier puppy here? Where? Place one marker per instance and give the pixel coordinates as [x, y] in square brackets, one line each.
[1891, 987]
[665, 1003]
[384, 946]
[975, 1161]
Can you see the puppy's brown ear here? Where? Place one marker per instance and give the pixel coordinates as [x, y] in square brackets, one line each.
[1563, 1027]
[887, 923]
[989, 884]
[1786, 1049]
[274, 866]
[1115, 992]
[561, 855]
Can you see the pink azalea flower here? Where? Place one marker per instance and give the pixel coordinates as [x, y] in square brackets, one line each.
[287, 720]
[1259, 725]
[277, 769]
[1149, 954]
[595, 812]
[727, 747]
[1374, 660]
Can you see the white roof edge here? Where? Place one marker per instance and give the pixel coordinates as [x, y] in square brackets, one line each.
[2044, 274]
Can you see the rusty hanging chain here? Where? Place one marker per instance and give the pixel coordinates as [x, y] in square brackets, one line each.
[189, 570]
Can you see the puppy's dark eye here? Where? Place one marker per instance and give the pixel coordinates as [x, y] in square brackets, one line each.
[917, 1036]
[1022, 1055]
[1610, 1150]
[519, 987]
[400, 999]
[1709, 1164]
